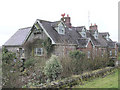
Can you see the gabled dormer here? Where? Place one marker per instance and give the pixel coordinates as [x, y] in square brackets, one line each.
[60, 28]
[107, 37]
[95, 34]
[83, 32]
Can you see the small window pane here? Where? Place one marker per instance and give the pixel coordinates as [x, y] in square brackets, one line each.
[61, 30]
[88, 54]
[38, 51]
[110, 53]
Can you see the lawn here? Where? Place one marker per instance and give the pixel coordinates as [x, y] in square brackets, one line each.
[110, 81]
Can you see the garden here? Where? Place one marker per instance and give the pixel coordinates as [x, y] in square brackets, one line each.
[38, 71]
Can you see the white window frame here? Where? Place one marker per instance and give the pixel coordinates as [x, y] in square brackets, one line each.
[88, 53]
[96, 35]
[110, 53]
[83, 34]
[96, 51]
[107, 37]
[115, 52]
[36, 52]
[61, 29]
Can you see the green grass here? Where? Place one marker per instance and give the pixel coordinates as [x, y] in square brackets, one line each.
[110, 81]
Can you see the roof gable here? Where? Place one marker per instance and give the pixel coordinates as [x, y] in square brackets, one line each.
[19, 37]
[60, 28]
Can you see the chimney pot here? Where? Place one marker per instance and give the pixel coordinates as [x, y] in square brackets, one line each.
[93, 27]
[67, 15]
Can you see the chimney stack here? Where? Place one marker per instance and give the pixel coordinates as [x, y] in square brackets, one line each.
[66, 20]
[93, 27]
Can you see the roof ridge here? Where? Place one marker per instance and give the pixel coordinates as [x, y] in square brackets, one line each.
[24, 28]
[103, 32]
[44, 20]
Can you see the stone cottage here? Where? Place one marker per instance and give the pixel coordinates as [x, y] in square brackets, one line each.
[59, 38]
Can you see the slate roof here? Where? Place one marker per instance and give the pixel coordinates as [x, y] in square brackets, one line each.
[108, 43]
[111, 44]
[95, 41]
[82, 42]
[102, 41]
[19, 37]
[78, 29]
[71, 36]
[104, 33]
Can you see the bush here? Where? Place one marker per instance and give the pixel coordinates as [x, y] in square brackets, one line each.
[67, 68]
[29, 62]
[76, 54]
[53, 68]
[6, 55]
[77, 61]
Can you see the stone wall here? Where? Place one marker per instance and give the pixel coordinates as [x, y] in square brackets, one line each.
[13, 49]
[34, 41]
[74, 80]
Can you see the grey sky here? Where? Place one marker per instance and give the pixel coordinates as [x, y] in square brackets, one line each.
[15, 14]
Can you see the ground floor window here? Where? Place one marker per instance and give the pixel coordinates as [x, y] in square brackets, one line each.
[88, 54]
[38, 51]
[102, 52]
[20, 51]
[96, 51]
[115, 52]
[110, 53]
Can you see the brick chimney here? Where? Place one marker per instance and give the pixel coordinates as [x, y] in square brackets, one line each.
[66, 20]
[93, 27]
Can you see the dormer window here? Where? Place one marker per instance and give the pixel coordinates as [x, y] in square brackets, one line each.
[61, 29]
[83, 33]
[107, 37]
[95, 35]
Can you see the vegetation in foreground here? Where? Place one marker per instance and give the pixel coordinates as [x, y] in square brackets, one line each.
[36, 71]
[110, 81]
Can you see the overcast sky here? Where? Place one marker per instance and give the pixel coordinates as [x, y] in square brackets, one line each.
[16, 14]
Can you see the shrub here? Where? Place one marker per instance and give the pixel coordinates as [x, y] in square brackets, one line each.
[7, 55]
[67, 68]
[76, 54]
[47, 44]
[111, 63]
[77, 61]
[53, 68]
[29, 62]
